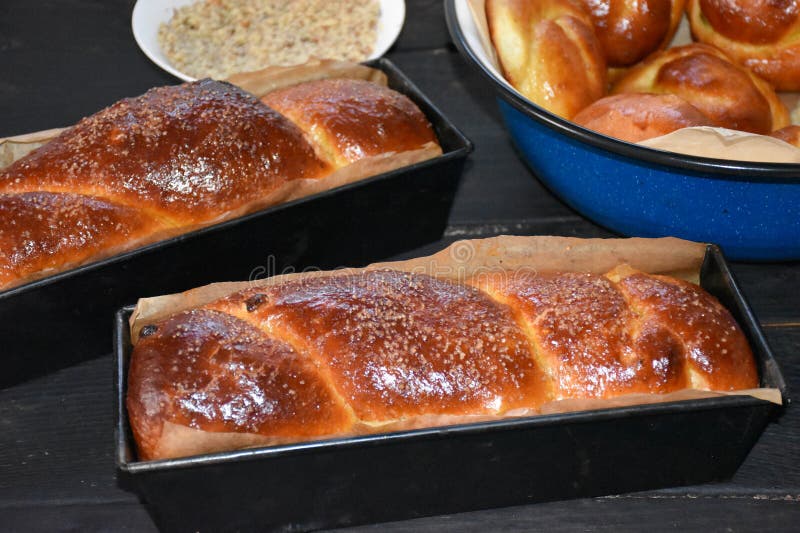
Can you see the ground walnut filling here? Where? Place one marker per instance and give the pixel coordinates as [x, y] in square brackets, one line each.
[217, 38]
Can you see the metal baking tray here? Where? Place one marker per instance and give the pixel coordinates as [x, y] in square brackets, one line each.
[409, 474]
[51, 323]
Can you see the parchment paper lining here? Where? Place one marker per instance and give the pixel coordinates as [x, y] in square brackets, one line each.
[717, 143]
[463, 259]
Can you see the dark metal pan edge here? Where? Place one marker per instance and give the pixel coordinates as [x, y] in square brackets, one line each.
[581, 417]
[748, 322]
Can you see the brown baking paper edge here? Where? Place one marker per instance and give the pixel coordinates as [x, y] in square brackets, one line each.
[263, 81]
[13, 148]
[722, 143]
[716, 143]
[468, 258]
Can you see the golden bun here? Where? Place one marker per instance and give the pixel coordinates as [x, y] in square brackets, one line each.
[763, 35]
[729, 94]
[635, 117]
[629, 30]
[549, 52]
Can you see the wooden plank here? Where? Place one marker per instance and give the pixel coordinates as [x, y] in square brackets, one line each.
[56, 438]
[425, 28]
[116, 517]
[61, 60]
[616, 515]
[668, 514]
[769, 288]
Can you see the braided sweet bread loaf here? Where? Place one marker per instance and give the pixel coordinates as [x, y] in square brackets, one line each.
[187, 156]
[376, 350]
[763, 35]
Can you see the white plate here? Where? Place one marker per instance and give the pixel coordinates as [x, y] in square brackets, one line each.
[149, 14]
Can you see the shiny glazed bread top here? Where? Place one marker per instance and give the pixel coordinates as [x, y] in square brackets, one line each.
[549, 52]
[181, 157]
[183, 153]
[763, 35]
[730, 95]
[629, 30]
[635, 117]
[374, 350]
[348, 120]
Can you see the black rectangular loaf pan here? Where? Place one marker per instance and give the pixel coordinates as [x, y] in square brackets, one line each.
[63, 319]
[457, 468]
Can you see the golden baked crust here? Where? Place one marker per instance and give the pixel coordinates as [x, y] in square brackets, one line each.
[587, 340]
[763, 35]
[348, 120]
[383, 348]
[182, 157]
[186, 153]
[715, 350]
[223, 375]
[397, 344]
[730, 95]
[549, 52]
[629, 30]
[43, 232]
[635, 117]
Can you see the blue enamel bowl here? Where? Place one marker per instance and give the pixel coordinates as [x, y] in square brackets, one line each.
[752, 210]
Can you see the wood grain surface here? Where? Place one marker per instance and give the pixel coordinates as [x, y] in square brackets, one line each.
[63, 59]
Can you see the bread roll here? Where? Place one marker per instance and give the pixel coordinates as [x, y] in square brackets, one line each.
[629, 30]
[789, 134]
[186, 156]
[374, 350]
[548, 51]
[729, 94]
[635, 117]
[763, 35]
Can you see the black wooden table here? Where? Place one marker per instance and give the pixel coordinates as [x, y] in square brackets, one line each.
[63, 59]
